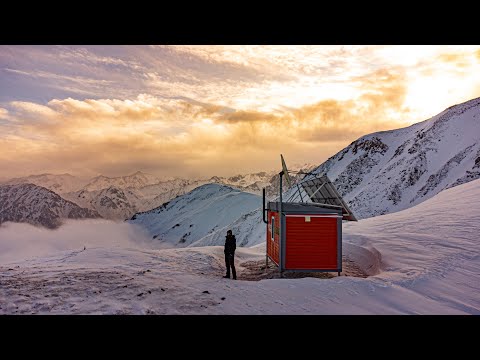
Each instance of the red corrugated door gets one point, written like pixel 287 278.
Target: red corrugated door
pixel 311 244
pixel 273 244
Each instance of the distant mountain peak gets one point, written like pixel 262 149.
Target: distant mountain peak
pixel 38 206
pixel 140 173
pixel 58 183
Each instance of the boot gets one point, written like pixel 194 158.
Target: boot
pixel 227 276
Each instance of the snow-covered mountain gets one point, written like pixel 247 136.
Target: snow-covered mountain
pixel 393 170
pixel 118 198
pixel 59 184
pixel 120 203
pixel 38 206
pixel 111 203
pixel 136 181
pixel 381 172
pixel 190 217
pixel 127 199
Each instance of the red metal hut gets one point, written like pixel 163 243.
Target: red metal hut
pixel 306 236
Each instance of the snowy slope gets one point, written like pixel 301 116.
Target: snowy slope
pixel 190 217
pixel 393 170
pixel 59 184
pixel 38 206
pixel 423 260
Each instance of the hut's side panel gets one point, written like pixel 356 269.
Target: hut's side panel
pixel 273 242
pixel 311 242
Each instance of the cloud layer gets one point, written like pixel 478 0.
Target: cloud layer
pixel 205 110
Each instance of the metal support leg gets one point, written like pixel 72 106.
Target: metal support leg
pixel 339 273
pixel 266 262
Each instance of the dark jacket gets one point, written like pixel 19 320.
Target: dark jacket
pixel 230 244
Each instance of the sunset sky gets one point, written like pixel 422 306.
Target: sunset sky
pixel 213 110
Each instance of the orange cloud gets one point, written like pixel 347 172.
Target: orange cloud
pixel 458 60
pixel 182 137
pixel 247 116
pixel 3 113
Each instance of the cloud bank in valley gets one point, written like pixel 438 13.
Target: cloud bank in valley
pixel 19 241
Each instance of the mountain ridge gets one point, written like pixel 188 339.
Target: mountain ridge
pixel 38 206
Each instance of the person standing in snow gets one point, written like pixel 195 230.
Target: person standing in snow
pixel 229 250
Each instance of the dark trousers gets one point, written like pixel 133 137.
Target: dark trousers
pixel 229 262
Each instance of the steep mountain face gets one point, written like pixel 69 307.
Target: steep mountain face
pixel 38 206
pixel 188 218
pixel 393 170
pixel 59 184
pixel 136 181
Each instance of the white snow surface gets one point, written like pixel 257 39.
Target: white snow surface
pixel 423 260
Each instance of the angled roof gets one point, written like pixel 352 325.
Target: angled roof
pixel 320 190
